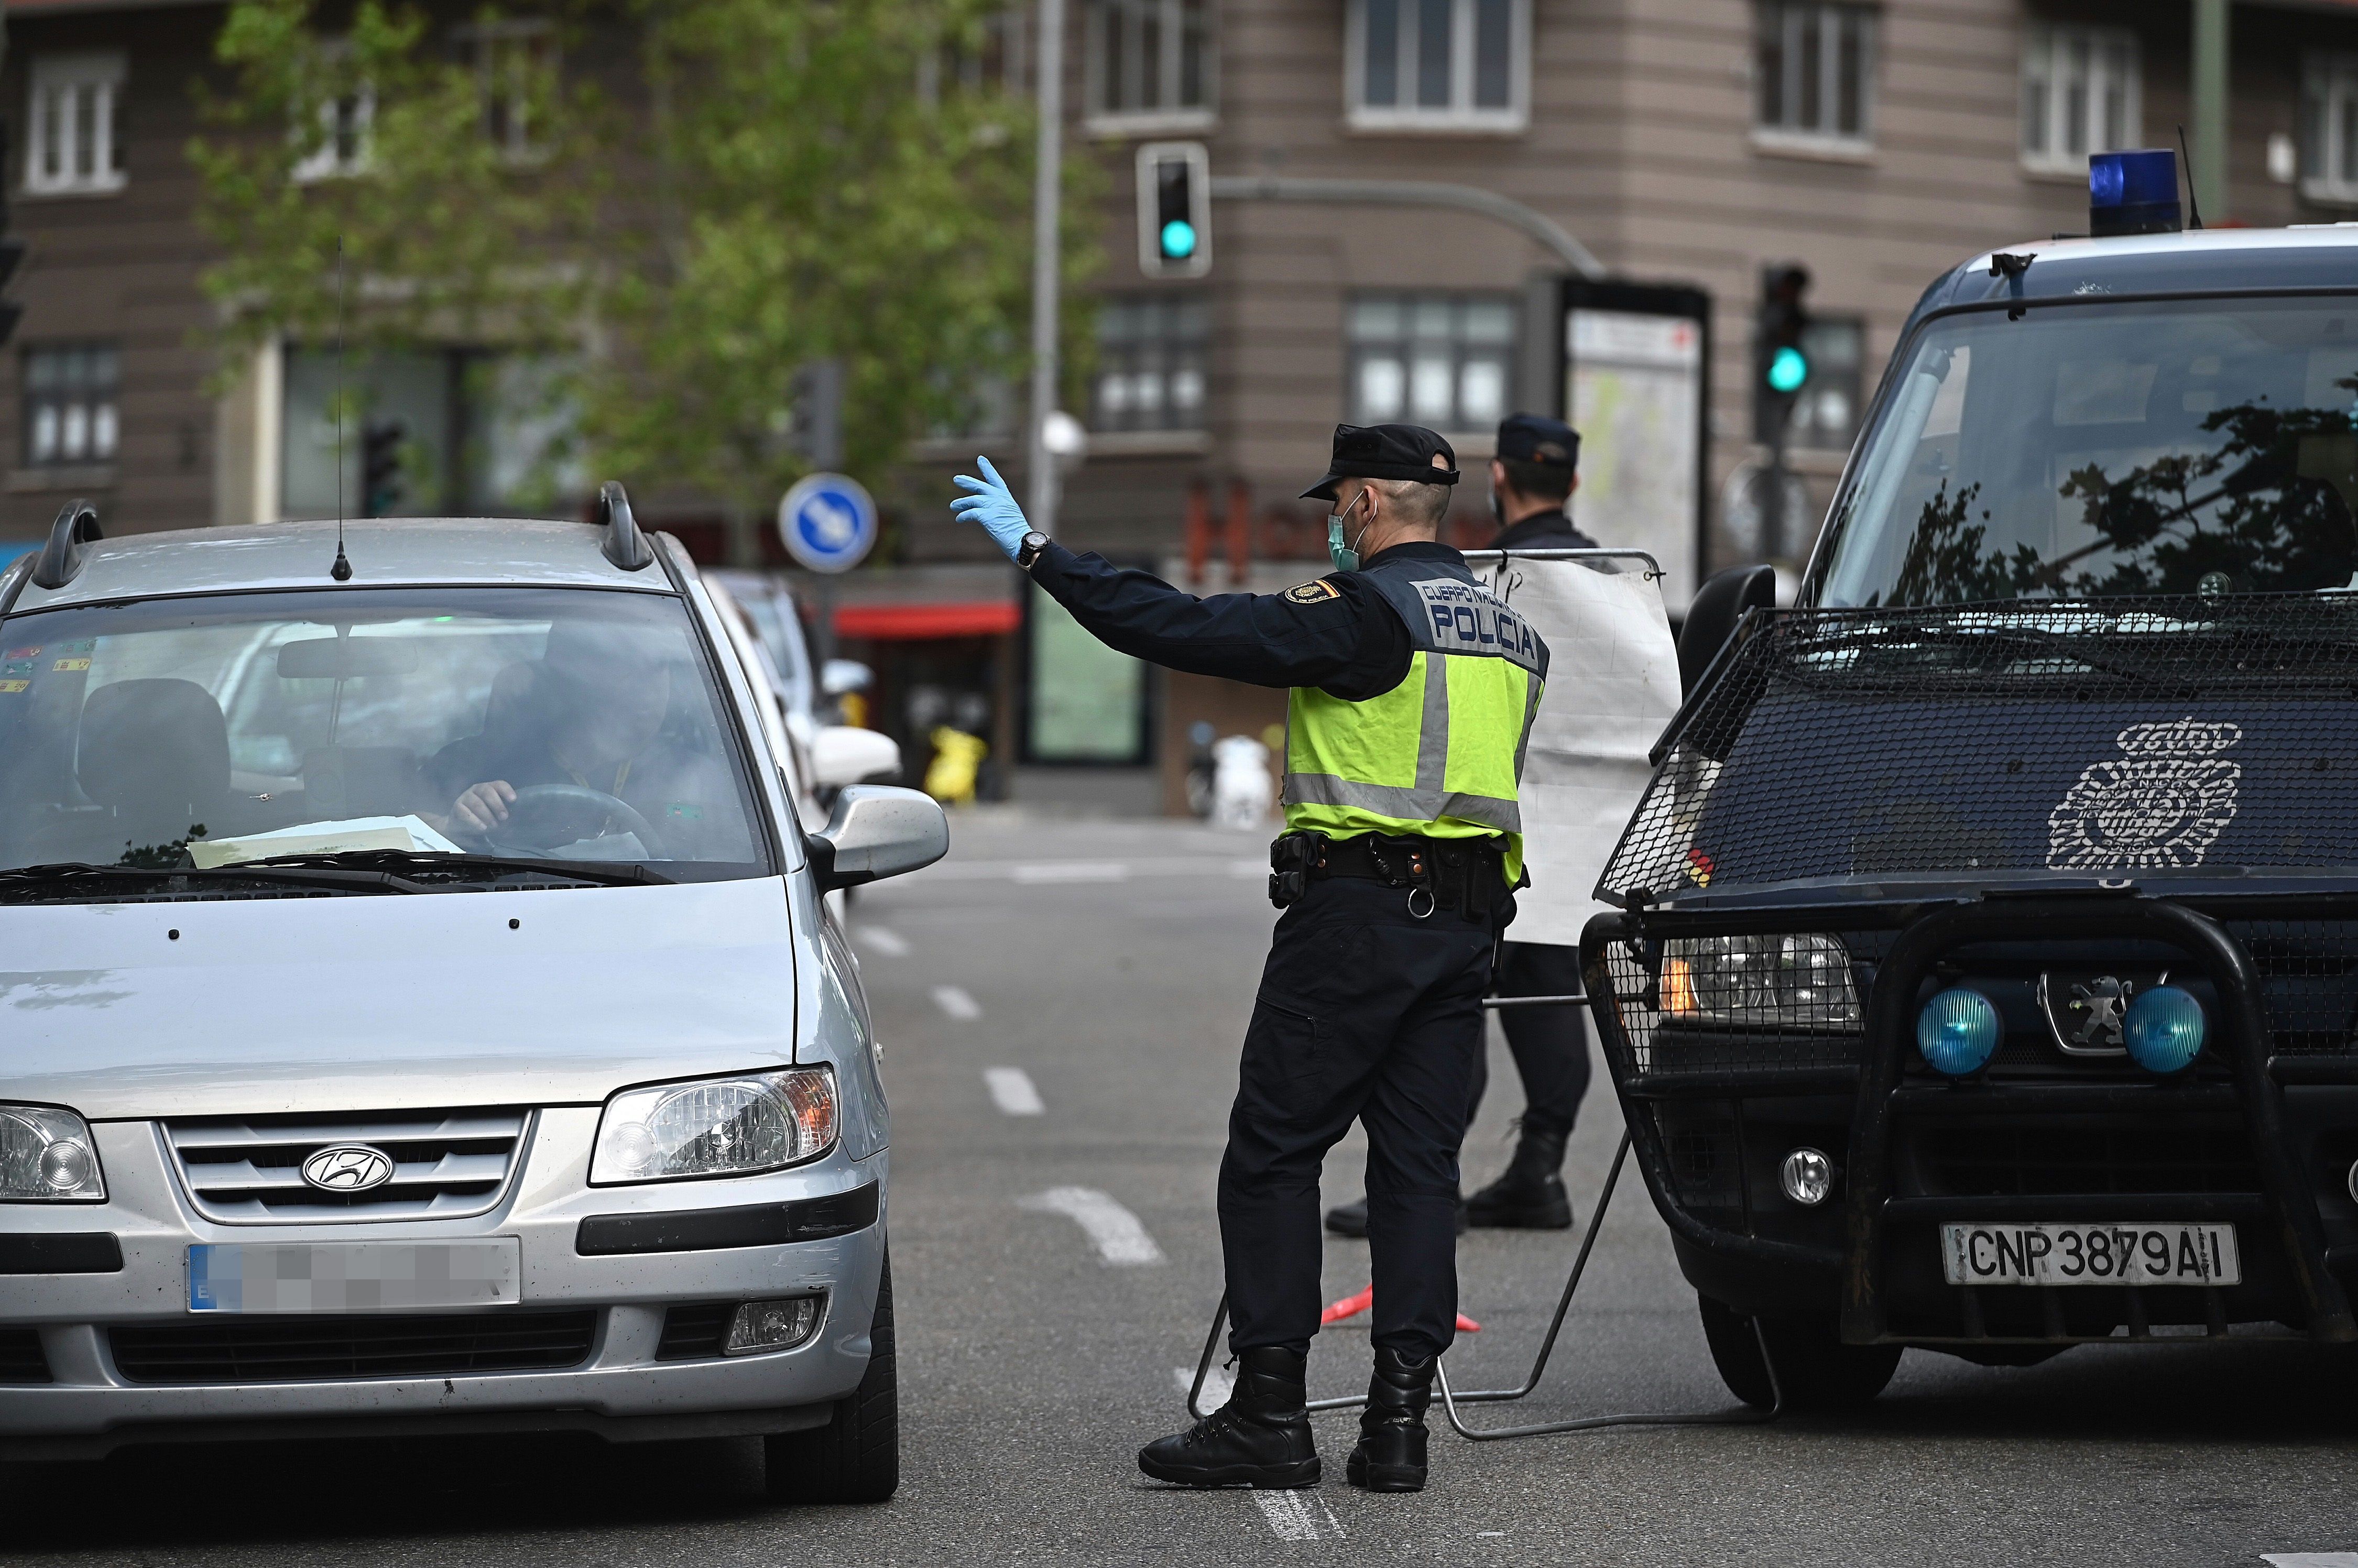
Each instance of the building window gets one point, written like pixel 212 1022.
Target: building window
pixel 516 63
pixel 1815 72
pixel 341 142
pixel 2328 151
pixel 2078 95
pixel 70 404
pixel 1438 359
pixel 992 58
pixel 1150 351
pixel 1825 415
pixel 1151 64
pixel 1438 65
pixel 74 124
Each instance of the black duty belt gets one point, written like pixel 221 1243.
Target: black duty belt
pixel 1464 875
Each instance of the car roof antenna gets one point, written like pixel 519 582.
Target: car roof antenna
pixel 343 571
pixel 2193 208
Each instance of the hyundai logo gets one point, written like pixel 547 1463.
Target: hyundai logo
pixel 348 1168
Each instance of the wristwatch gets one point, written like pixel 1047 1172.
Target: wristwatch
pixel 1029 550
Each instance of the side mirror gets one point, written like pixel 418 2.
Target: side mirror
pixel 839 677
pixel 845 755
pixel 1718 605
pixel 878 830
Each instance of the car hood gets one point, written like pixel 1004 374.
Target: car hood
pixel 250 1006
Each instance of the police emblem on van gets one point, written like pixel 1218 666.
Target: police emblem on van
pixel 2160 808
pixel 348 1168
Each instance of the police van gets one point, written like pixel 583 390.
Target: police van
pixel 1984 977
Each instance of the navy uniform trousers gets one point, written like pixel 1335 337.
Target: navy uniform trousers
pixel 1363 1012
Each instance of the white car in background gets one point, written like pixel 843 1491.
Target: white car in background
pixel 825 756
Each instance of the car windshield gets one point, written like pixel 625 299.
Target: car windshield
pixel 534 723
pixel 2203 446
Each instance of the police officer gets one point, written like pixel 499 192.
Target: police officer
pixel 1531 481
pixel 1411 693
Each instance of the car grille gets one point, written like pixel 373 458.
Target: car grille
pixel 292 1349
pixel 21 1360
pixel 447 1164
pixel 1984 1158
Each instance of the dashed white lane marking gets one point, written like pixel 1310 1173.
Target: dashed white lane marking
pixel 1218 1385
pixel 1292 1517
pixel 1011 1090
pixel 2311 1559
pixel 889 943
pixel 1074 872
pixel 953 1000
pixel 1112 1229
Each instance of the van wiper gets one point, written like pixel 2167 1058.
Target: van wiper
pixel 553 873
pixel 70 872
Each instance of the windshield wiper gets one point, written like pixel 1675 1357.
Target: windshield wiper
pixel 383 862
pixel 287 876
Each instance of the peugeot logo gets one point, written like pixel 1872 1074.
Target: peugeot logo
pixel 349 1168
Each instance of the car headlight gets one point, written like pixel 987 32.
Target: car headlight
pixel 47 1155
pixel 716 1127
pixel 1786 981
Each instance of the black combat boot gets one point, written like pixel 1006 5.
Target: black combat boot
pixel 1530 1195
pixel 1259 1438
pixel 1351 1218
pixel 1390 1454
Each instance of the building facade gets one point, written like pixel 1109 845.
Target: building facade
pixel 1684 143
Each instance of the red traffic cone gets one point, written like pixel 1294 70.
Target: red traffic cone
pixel 1352 1306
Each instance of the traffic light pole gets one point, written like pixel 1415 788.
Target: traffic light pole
pixel 1047 254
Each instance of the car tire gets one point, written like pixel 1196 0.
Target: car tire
pixel 1818 1371
pixel 856 1457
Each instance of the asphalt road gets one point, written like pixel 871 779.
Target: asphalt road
pixel 1055 1269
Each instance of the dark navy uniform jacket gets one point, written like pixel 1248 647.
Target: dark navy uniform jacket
pixel 1333 633
pixel 1549 530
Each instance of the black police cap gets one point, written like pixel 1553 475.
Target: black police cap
pixel 1386 451
pixel 1534 438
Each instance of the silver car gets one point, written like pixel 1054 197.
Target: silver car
pixel 420 1012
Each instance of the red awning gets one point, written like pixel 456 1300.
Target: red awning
pixel 918 623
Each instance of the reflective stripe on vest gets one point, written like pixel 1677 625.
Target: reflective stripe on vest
pixel 1440 755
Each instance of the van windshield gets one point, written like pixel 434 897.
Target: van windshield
pixel 2203 446
pixel 534 723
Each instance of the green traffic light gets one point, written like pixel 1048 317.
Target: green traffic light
pixel 1178 239
pixel 1787 369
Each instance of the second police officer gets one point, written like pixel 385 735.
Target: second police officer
pixel 1531 480
pixel 1412 694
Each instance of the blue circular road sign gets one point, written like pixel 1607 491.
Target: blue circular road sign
pixel 828 521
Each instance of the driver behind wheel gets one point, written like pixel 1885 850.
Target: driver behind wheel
pixel 591 715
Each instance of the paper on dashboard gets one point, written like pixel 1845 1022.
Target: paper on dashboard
pixel 409 833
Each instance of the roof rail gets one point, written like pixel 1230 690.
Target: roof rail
pixel 62 557
pixel 625 545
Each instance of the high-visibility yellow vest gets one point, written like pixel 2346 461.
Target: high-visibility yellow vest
pixel 1440 754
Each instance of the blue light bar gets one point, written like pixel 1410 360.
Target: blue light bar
pixel 2133 192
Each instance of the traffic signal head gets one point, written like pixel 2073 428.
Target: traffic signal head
pixel 1174 209
pixel 1780 353
pixel 380 483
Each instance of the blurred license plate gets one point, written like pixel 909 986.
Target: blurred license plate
pixel 2138 1253
pixel 354 1276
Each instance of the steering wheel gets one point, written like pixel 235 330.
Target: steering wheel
pixel 543 817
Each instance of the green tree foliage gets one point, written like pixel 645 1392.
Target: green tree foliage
pixel 715 191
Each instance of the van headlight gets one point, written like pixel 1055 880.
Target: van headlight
pixel 46 1154
pixel 1786 981
pixel 716 1127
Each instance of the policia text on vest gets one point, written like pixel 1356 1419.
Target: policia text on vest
pixel 1412 694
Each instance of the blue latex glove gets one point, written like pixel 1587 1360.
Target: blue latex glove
pixel 992 505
